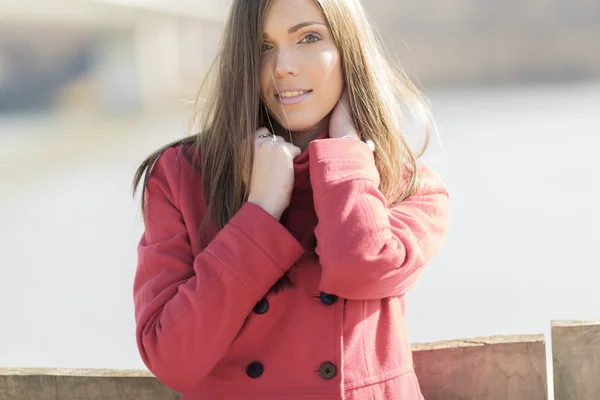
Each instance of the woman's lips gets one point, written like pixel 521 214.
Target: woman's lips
pixel 292 96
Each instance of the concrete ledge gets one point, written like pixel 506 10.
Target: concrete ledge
pixel 73 384
pixel 576 359
pixel 491 368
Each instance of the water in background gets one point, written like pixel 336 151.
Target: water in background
pixel 523 247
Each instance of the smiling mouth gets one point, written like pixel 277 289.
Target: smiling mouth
pixel 291 94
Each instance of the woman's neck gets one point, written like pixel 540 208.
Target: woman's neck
pixel 302 139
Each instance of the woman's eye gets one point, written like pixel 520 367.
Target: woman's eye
pixel 266 47
pixel 310 38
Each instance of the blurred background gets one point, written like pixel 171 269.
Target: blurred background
pixel 89 88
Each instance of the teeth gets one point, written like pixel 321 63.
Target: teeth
pixel 291 94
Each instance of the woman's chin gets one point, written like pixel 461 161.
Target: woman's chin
pixel 301 126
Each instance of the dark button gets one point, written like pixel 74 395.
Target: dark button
pixel 262 306
pixel 328 299
pixel 254 369
pixel 327 371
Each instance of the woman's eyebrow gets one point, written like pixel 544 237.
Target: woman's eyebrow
pixel 299 26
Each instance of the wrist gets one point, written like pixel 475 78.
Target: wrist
pixel 267 208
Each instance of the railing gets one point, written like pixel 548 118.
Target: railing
pixel 492 368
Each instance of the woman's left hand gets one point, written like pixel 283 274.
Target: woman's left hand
pixel 340 122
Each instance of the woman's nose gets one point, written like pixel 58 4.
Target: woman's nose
pixel 285 64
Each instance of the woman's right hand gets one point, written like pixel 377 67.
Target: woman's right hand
pixel 272 179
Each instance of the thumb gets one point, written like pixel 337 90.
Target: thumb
pixel 295 151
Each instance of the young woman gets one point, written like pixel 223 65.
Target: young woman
pixel 280 241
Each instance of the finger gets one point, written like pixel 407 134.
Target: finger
pixel 262 131
pixel 275 140
pixel 263 134
pixel 295 151
pixel 287 150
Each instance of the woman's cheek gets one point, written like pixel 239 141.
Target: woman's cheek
pixel 329 61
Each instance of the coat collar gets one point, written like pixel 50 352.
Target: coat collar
pixel 301 166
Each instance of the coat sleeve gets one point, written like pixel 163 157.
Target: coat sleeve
pixel 367 250
pixel 189 308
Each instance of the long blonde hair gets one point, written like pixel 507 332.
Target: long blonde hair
pixel 233 109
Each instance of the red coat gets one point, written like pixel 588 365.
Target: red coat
pixel 205 323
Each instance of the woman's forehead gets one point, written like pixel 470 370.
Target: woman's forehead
pixel 292 12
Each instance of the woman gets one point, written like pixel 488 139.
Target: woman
pixel 280 241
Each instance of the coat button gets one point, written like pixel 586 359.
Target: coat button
pixel 262 306
pixel 327 370
pixel 328 299
pixel 254 370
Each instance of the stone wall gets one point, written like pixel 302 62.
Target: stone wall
pixel 56 384
pixel 576 360
pixel 492 368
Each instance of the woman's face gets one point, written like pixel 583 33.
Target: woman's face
pixel 301 74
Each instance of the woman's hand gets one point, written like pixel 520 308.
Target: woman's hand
pixel 272 178
pixel 340 122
